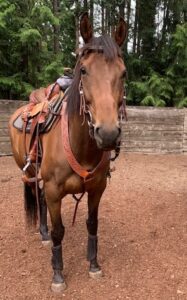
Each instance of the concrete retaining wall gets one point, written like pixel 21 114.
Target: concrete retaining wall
pixel 155 130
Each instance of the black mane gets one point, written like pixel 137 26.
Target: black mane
pixel 110 50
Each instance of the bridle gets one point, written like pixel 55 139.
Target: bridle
pixel 87 115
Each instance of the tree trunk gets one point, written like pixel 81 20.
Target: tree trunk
pixel 138 27
pixel 107 29
pixel 77 23
pixel 128 21
pixel 135 28
pixel 128 12
pixel 102 17
pixel 122 9
pixel 92 12
pixel 56 28
pixel 85 5
pixel 165 24
pixel 147 27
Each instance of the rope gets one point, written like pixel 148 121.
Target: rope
pixel 78 199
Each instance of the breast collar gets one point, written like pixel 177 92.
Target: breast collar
pixel 74 164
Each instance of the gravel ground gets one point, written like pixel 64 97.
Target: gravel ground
pixel 142 236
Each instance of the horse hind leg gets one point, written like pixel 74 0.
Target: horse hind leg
pixel 43 218
pixel 57 234
pixel 31 209
pixel 30 203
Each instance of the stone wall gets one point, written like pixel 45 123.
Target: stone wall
pixel 148 130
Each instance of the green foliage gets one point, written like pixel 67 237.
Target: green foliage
pixel 156 91
pixel 182 103
pixel 27 56
pixel 52 71
pixel 137 91
pixel 6 11
pixel 8 82
pixel 152 101
pixel 168 88
pixel 137 67
pixel 44 15
pixel 156 59
pixel 29 36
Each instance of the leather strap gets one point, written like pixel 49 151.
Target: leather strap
pixel 77 168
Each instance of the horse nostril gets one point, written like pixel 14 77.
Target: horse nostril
pixel 119 131
pixel 97 130
pixel 98 134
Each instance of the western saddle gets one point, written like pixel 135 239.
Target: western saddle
pixel 38 117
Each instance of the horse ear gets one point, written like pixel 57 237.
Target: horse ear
pixel 121 32
pixel 86 28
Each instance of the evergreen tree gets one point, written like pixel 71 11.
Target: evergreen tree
pixel 37 39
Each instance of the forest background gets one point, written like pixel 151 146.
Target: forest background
pixel 38 39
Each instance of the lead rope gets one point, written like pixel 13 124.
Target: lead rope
pixel 77 199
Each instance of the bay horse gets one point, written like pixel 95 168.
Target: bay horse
pixel 76 151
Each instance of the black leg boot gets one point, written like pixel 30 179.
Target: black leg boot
pixel 58 283
pixel 95 270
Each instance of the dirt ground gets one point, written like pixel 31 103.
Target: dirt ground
pixel 142 236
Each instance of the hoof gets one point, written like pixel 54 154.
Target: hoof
pixel 58 287
pixel 96 275
pixel 46 242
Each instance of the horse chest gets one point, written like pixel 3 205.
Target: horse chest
pixel 73 185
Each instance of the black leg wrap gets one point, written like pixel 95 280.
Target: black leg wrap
pixel 92 253
pixel 92 247
pixel 57 262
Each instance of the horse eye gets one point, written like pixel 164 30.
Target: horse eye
pixel 83 71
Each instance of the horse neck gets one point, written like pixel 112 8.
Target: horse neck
pixel 83 146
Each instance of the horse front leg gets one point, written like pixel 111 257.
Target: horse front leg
pixel 92 226
pixel 57 233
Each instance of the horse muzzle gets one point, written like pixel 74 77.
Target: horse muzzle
pixel 107 139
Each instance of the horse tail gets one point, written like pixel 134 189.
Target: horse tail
pixel 31 205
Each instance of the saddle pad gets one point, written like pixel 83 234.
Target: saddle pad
pixel 54 106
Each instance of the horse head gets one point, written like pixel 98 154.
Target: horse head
pixel 99 81
pixel 102 74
